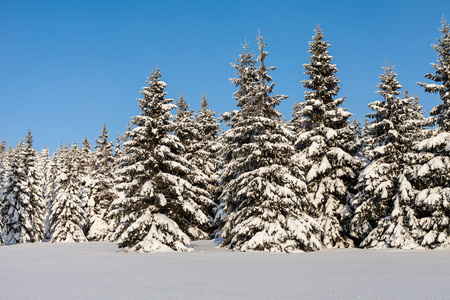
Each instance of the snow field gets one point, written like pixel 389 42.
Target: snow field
pixel 99 270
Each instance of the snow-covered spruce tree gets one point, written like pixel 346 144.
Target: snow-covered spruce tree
pixel 86 161
pixel 207 147
pixel 43 169
pixel 264 194
pixel 67 216
pixel 191 137
pixel 85 165
pixel 115 212
pixel 246 78
pixel 102 186
pixel 3 166
pixel 433 173
pixel 327 146
pixel 51 192
pixel 118 146
pixel 33 182
pixel 185 128
pixel 19 210
pixel 385 212
pixel 160 207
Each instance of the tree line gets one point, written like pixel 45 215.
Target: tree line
pixel 319 180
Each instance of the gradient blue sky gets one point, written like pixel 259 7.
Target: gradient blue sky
pixel 68 66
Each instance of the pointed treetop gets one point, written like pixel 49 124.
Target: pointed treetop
pixel 204 103
pixel 29 139
pixel 389 86
pixel 182 104
pixel 86 144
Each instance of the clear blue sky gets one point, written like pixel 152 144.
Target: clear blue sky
pixel 68 66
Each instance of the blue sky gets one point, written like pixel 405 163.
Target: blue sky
pixel 68 66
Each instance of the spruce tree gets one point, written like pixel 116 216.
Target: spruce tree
pixel 385 213
pixel 160 207
pixel 3 166
pixel 327 145
pixel 53 169
pixel 246 78
pixel 207 146
pixel 33 182
pixel 21 209
pixel 432 176
pixel 185 129
pixel 2 184
pixel 43 169
pixel 263 192
pixel 190 134
pixel 102 186
pixel 68 217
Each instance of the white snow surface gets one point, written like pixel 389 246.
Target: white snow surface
pixel 100 270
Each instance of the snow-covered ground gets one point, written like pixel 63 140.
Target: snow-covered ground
pixel 99 270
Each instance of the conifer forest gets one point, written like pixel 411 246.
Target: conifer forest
pixel 262 181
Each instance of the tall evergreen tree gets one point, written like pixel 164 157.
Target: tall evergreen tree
pixel 433 172
pixel 327 144
pixel 102 186
pixel 160 206
pixel 246 78
pixel 263 193
pixel 385 214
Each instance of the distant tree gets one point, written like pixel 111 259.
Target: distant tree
pixel 432 176
pixel 3 167
pixel 385 213
pixel 67 216
pixel 328 146
pixel 53 169
pixel 43 163
pixel 33 183
pixel 160 207
pixel 206 150
pixel 102 186
pixel 190 134
pixel 21 208
pixel 264 194
pixel 121 160
pixel 185 128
